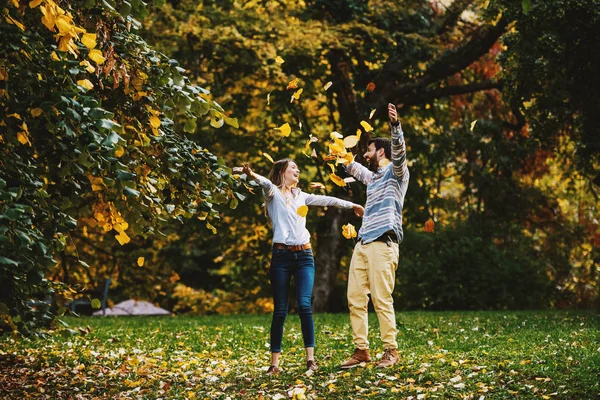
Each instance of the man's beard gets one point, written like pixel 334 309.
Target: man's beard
pixel 373 164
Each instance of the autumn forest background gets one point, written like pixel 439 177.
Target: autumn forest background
pixel 120 123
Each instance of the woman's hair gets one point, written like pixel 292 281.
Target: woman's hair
pixel 278 171
pixel 277 177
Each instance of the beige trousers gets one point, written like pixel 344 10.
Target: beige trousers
pixel 373 270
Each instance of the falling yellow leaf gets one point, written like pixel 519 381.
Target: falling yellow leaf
pixel 372 113
pixel 293 84
pixel 296 95
pixel 336 135
pixel 122 238
pixel 268 157
pixel 337 180
pixel 347 159
pixel 384 162
pixel 23 138
pixel 349 231
pixel 36 112
pixel 302 211
pixel 332 167
pixel 140 261
pixel 285 129
pixel 15 115
pixel 350 141
pixel 35 3
pixel 473 125
pixel 211 228
pixel 358 133
pixel 328 85
pixel 279 60
pixel 154 121
pixel 96 56
pixel 366 126
pixel 86 84
pixel 89 40
pixel 269 98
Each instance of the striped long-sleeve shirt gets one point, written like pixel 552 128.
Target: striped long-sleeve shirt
pixel 386 189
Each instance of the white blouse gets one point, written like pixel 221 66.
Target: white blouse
pixel 288 227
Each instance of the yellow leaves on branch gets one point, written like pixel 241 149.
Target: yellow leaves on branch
pixel 107 217
pixel 349 231
pixel 14 22
pixel 96 56
pixel 89 40
pixel 302 211
pixel 85 83
pixel 88 67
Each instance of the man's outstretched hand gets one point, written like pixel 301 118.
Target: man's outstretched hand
pixel 392 113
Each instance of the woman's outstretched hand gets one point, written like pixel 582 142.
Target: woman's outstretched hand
pixel 358 210
pixel 245 168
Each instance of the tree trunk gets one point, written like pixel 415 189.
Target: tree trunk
pixel 327 260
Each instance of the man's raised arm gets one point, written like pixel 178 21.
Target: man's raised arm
pixel 399 165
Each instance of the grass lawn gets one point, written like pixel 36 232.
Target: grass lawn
pixel 491 355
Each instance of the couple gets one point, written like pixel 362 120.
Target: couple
pixel 375 256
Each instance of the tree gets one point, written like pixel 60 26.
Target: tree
pixel 91 142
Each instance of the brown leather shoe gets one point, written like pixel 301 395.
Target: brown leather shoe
pixel 359 356
pixel 390 358
pixel 273 370
pixel 311 365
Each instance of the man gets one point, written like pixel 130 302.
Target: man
pixel 375 256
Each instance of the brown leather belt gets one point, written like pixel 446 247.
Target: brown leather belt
pixel 297 247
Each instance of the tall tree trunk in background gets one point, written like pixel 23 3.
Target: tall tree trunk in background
pixel 330 242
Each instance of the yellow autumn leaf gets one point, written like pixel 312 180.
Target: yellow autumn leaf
pixel 3 74
pixel 372 113
pixel 384 162
pixel 88 67
pixel 268 157
pixel 337 180
pixel 293 84
pixel 336 135
pixel 358 133
pixel 35 3
pixel 54 56
pixel 63 24
pixel 13 21
pixel 23 138
pixel 140 261
pixel 347 159
pixel 366 126
pixel 216 121
pixel 211 228
pixel 473 125
pixel 327 85
pixel 285 129
pixel 14 115
pixel 302 211
pixel 279 60
pixel 119 151
pixel 154 121
pixel 122 238
pixel 86 84
pixel 269 98
pixel 89 40
pixel 296 95
pixel 349 231
pixel 96 56
pixel 350 141
pixel 36 112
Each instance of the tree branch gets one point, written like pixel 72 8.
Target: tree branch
pixel 452 15
pixel 427 95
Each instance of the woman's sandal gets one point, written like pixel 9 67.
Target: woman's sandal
pixel 273 370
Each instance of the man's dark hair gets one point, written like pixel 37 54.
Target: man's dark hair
pixel 383 143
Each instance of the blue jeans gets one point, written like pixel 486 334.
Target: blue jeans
pixel 284 264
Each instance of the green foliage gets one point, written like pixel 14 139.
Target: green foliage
pixel 91 138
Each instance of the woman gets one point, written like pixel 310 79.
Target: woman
pixel 292 254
